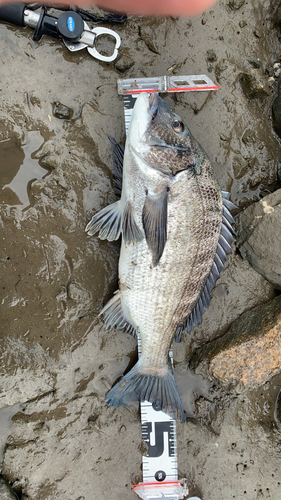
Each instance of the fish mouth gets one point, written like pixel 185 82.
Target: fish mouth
pixel 153 103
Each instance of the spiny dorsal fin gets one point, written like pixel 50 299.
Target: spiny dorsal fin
pixel 114 316
pixel 224 247
pixel 154 219
pixel 117 165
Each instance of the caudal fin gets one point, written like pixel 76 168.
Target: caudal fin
pixel 161 391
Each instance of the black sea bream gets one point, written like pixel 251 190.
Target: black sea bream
pixel 176 232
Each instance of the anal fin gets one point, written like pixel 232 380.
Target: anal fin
pixel 114 316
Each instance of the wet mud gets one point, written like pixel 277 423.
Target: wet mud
pixel 59 439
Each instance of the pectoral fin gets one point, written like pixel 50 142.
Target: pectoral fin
pixel 117 165
pixel 154 219
pixel 111 220
pixel 108 222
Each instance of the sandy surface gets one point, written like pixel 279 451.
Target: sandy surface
pixel 57 361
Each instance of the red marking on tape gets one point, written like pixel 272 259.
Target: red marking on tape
pixel 173 89
pixel 157 485
pixel 139 91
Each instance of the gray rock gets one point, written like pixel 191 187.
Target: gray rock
pixel 255 62
pixel 259 237
pixel 51 161
pixel 211 56
pixel 276 115
pixel 61 111
pixel 277 16
pixel 254 84
pixel 242 23
pixel 235 4
pixel 6 492
pixel 124 63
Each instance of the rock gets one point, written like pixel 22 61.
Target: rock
pixel 62 111
pixel 276 115
pixel 276 70
pixel 255 62
pixel 259 236
pixel 248 137
pixel 6 492
pixel 277 17
pixel 235 4
pixel 153 33
pixel 211 56
pixel 257 33
pixel 249 353
pixel 124 63
pixel 253 84
pixel 242 24
pixel 51 161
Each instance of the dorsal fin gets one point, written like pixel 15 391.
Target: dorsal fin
pixel 223 248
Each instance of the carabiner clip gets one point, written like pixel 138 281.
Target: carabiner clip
pixel 104 31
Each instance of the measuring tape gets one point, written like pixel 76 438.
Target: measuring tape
pixel 160 465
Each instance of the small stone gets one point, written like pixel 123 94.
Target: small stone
pixel 211 56
pixel 255 62
pixel 249 353
pixel 235 4
pixel 276 115
pixel 51 161
pixel 248 137
pixel 257 33
pixel 259 237
pixel 147 34
pixel 276 70
pixel 254 85
pixel 273 84
pixel 242 24
pixel 61 111
pixel 277 17
pixel 204 20
pixel 124 63
pixel 6 492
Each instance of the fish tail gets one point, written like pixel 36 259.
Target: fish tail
pixel 159 390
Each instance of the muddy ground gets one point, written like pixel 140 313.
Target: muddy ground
pixel 59 439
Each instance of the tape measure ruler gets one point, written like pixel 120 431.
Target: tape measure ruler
pixel 160 465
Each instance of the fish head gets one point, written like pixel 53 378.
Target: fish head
pixel 160 137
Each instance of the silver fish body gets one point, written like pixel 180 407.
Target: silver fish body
pixel 174 243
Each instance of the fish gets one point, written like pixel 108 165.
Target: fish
pixel 176 228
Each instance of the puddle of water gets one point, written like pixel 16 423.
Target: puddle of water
pixel 6 415
pixel 19 168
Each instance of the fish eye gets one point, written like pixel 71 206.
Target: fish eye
pixel 178 126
